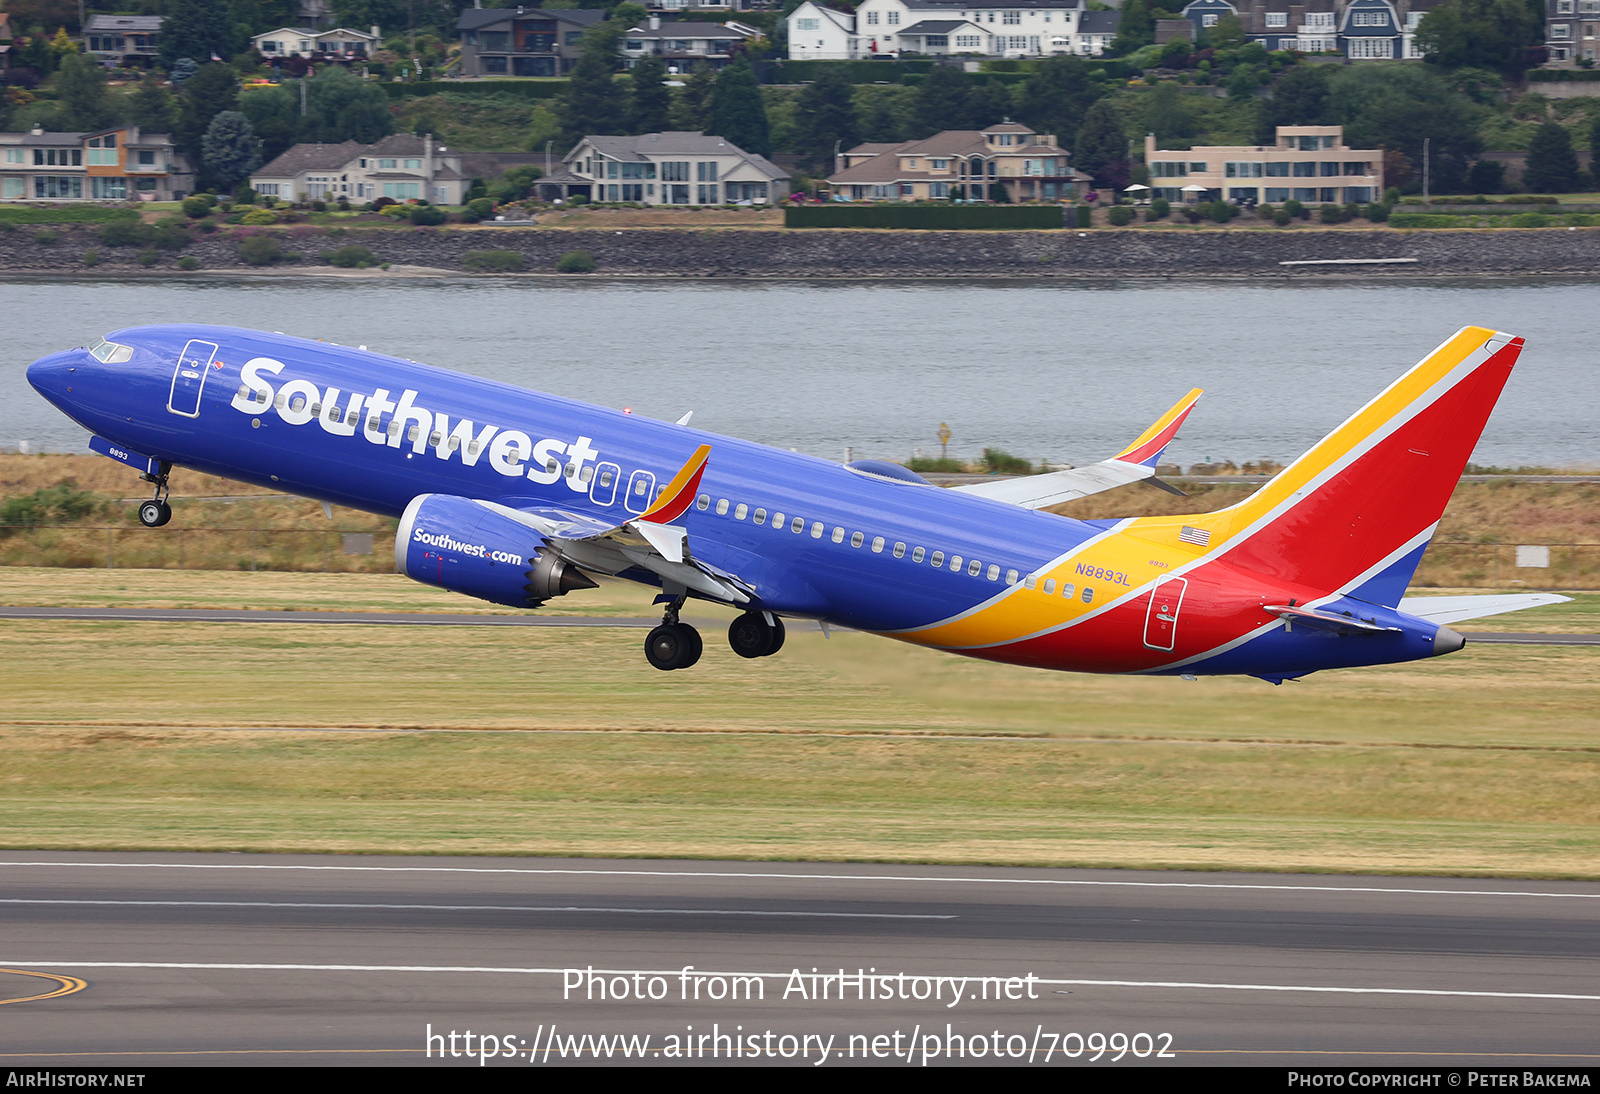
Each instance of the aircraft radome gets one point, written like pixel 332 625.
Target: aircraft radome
pixel 517 497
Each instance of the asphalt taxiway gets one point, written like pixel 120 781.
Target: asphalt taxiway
pixel 151 958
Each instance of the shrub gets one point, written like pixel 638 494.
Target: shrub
pixel 125 233
pixel 1000 462
pixel 188 262
pixel 1222 211
pixel 497 261
pixel 1083 216
pixel 1193 214
pixel 243 195
pixel 350 257
pixel 1376 212
pixel 1295 209
pixel 1282 218
pixel 260 251
pixel 1529 220
pixel 149 256
pixel 477 209
pixel 1120 215
pixel 1161 207
pixel 196 207
pixel 578 199
pixel 169 234
pixel 1330 214
pixel 379 204
pixel 61 502
pixel 258 217
pixel 936 463
pixel 319 207
pixel 1351 210
pixel 1391 196
pixel 91 258
pixel 576 262
pixel 46 235
pixel 427 215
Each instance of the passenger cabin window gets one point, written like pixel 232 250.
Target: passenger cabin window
pixel 760 516
pixel 857 539
pixel 917 555
pixel 838 535
pixel 877 545
pixel 816 530
pixel 722 507
pixel 740 511
pixel 899 550
pixel 955 564
pixel 798 526
pixel 937 560
pixel 1049 586
pixel 703 502
pixel 777 521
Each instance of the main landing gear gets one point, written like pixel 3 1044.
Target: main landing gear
pixel 673 645
pixel 156 512
pixel 756 634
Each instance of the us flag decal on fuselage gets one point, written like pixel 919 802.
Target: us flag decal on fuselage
pixel 1197 536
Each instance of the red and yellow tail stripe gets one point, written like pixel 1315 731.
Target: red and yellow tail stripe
pixel 676 497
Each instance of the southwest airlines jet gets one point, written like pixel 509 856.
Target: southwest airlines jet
pixel 516 497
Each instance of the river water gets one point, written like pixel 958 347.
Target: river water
pixel 1045 369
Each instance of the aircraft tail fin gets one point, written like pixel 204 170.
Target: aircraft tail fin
pixel 1356 512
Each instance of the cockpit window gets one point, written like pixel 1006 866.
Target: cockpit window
pixel 111 353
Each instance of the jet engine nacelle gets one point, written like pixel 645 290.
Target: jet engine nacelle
pixel 468 547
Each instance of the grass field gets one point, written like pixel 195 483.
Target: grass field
pixel 458 740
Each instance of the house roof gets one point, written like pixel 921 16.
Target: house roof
pixel 403 144
pixel 688 30
pixel 966 5
pixel 310 157
pixel 147 24
pixel 1099 22
pixel 1007 127
pixel 52 139
pixel 477 18
pixel 936 26
pixel 884 166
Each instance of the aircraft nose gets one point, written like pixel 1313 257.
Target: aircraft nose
pixel 54 376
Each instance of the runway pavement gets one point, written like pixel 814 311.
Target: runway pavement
pixel 144 959
pixel 434 619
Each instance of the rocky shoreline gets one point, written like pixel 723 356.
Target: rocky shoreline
pixel 850 253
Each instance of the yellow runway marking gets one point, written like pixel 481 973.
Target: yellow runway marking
pixel 69 984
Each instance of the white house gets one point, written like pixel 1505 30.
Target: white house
pixel 1018 28
pixel 667 169
pixel 400 167
pixel 299 42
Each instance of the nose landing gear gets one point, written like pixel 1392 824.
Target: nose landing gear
pixel 673 645
pixel 156 512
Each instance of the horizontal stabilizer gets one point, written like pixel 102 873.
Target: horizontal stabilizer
pixel 1455 609
pixel 1135 463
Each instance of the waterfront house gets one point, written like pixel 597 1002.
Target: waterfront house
pixel 1310 164
pixel 120 163
pixel 972 165
pixel 666 169
pixel 942 28
pixel 124 40
pixel 401 167
pixel 523 41
pixel 343 42
pixel 682 45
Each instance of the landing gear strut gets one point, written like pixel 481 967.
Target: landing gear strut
pixel 673 645
pixel 756 634
pixel 156 512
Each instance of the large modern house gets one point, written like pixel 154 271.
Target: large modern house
pixel 666 169
pixel 1362 30
pixel 401 167
pixel 1005 162
pixel 116 164
pixel 523 41
pixel 1310 164
pixel 941 28
pixel 682 45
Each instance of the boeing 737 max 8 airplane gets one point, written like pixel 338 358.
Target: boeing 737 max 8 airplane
pixel 516 497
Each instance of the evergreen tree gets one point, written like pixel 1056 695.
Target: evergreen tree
pixel 1300 97
pixel 941 101
pixel 988 104
pixel 881 122
pixel 1497 34
pixel 274 114
pixel 691 110
pixel 341 106
pixel 211 90
pixel 150 107
pixel 826 114
pixel 1594 148
pixel 594 102
pixel 1167 114
pixel 1102 147
pixel 1056 96
pixel 80 87
pixel 229 149
pixel 195 29
pixel 650 100
pixel 738 114
pixel 1137 28
pixel 1552 166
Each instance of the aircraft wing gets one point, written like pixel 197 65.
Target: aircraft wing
pixel 1455 609
pixel 649 541
pixel 1134 463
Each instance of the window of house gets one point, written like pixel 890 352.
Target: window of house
pixel 1277 19
pixel 16 155
pixel 872 18
pixel 1563 7
pixel 1235 169
pixel 13 188
pixel 936 40
pixel 808 24
pixel 1369 19
pixel 1011 18
pixel 414 164
pixel 969 41
pixel 1305 170
pixel 1197 168
pixel 1319 19
pixel 893 18
pixel 57 186
pixel 1209 20
pixel 1276 193
pixel 1277 171
pixel 1163 169
pixel 1371 48
pixel 110 189
pixel 675 171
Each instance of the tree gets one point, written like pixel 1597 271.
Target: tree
pixel 196 29
pixel 1299 97
pixel 151 108
pixel 1401 106
pixel 826 114
pixel 650 100
pixel 1552 166
pixel 1167 114
pixel 691 110
pixel 988 104
pixel 1056 96
pixel 274 114
pixel 41 13
pixel 941 99
pixel 880 121
pixel 211 90
pixel 1102 147
pixel 1228 33
pixel 229 149
pixel 80 87
pixel 1137 28
pixel 1497 34
pixel 340 106
pixel 594 102
pixel 737 113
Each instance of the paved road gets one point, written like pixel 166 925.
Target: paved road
pixel 430 619
pixel 293 959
